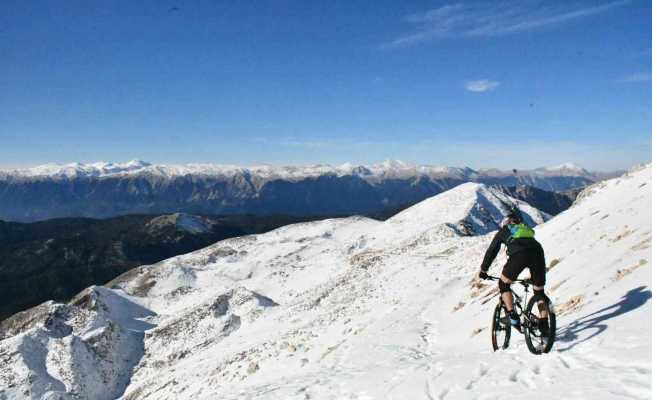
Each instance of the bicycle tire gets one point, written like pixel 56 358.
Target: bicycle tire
pixel 536 343
pixel 500 334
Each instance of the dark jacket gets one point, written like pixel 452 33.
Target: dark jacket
pixel 504 236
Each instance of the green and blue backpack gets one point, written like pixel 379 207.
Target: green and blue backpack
pixel 521 231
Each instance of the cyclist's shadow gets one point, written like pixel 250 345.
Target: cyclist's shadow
pixel 633 299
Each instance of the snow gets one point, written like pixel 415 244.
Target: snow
pixel 386 169
pixel 359 309
pixel 567 166
pixel 566 169
pixel 80 169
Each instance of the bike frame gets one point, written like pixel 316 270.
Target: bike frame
pixel 518 300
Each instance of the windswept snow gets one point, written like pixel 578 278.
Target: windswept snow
pixel 358 309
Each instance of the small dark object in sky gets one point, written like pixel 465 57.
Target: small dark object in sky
pixel 515 171
pixel 173 9
pixel 531 104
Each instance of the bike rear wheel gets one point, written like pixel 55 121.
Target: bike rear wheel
pixel 537 341
pixel 500 333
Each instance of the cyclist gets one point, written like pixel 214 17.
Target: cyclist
pixel 523 251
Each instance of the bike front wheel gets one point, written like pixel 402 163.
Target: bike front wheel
pixel 500 332
pixel 540 325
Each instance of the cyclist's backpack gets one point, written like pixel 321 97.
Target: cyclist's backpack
pixel 521 231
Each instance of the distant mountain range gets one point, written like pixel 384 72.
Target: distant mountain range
pixel 102 190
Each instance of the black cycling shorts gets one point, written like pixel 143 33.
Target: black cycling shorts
pixel 532 258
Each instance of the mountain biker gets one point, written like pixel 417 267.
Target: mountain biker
pixel 523 251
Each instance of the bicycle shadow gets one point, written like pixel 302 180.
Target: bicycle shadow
pixel 632 300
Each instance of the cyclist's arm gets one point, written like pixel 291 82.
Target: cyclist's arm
pixel 492 251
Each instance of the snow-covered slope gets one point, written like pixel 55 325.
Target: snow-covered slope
pixel 357 309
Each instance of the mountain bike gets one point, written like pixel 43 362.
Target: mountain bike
pixel 501 328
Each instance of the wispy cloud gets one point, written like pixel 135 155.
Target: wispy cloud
pixel 642 77
pixel 481 85
pixel 491 19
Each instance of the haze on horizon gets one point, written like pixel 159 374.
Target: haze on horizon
pixel 514 84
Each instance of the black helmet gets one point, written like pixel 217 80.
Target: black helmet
pixel 515 215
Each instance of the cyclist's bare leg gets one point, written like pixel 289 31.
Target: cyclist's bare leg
pixel 507 297
pixel 543 310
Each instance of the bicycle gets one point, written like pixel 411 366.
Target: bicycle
pixel 536 342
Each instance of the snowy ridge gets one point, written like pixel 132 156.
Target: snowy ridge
pixel 386 169
pixel 72 170
pixel 358 309
pixel 467 210
pixel 476 208
pixel 567 166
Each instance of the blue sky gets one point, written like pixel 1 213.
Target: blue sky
pixel 510 84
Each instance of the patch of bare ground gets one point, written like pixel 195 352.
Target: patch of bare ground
pixel 25 320
pixel 643 245
pixel 554 263
pixel 477 286
pixel 366 259
pixel 458 306
pixel 621 273
pixel 573 304
pixel 477 331
pixel 623 235
pixel 128 276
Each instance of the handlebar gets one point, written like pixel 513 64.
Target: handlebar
pixel 524 282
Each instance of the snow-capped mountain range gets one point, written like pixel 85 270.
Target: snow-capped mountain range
pixel 355 308
pixel 389 168
pixel 106 189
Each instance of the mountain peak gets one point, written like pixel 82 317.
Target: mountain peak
pixel 396 164
pixel 136 163
pixel 566 166
pixel 470 208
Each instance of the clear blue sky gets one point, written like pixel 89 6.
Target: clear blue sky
pixel 506 84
